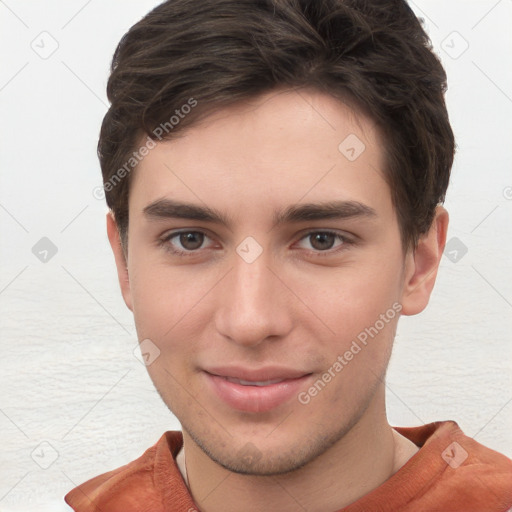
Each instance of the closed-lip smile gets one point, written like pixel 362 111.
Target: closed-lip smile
pixel 255 390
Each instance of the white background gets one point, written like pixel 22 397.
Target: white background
pixel 68 376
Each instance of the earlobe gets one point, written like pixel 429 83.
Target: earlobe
pixel 120 259
pixel 421 265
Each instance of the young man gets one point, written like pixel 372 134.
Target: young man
pixel 275 172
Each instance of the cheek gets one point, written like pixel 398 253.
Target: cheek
pixel 359 310
pixel 348 300
pixel 355 367
pixel 165 298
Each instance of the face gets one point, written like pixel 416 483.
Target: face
pixel 265 265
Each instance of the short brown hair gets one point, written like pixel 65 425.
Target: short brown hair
pixel 209 54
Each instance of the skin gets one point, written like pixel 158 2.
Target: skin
pixel 300 304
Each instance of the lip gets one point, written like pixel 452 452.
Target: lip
pixel 256 374
pixel 253 398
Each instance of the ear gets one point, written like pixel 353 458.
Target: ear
pixel 421 265
pixel 122 267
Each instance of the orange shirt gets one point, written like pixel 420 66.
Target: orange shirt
pixel 450 473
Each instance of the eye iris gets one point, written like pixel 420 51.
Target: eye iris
pixel 326 240
pixel 191 240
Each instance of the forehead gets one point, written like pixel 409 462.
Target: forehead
pixel 281 148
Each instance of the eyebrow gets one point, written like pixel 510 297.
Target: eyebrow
pixel 323 211
pixel 171 209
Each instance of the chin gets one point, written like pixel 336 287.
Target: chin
pixel 264 456
pixel 251 461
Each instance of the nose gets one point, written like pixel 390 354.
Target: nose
pixel 254 305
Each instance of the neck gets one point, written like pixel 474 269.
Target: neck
pixel 369 454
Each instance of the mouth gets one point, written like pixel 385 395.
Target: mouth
pixel 254 383
pixel 255 391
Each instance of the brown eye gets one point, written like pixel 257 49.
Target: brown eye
pixel 191 240
pixel 322 241
pixel 184 243
pixel 325 243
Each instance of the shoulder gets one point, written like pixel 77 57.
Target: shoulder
pixel 477 467
pixel 128 486
pixel 466 471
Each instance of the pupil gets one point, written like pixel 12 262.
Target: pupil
pixel 326 240
pixel 187 240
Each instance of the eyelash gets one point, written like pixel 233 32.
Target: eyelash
pixel 328 252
